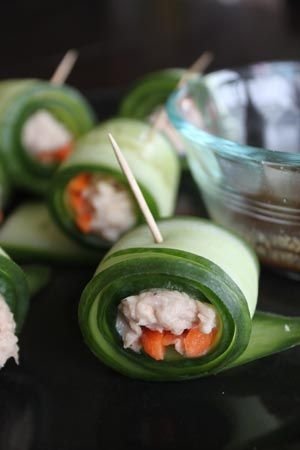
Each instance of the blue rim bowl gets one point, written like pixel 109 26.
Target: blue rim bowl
pixel 254 189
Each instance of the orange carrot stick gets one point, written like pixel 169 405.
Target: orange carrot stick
pixel 197 343
pixel 83 221
pixel 77 184
pixel 62 153
pixel 78 203
pixel 169 338
pixel 152 343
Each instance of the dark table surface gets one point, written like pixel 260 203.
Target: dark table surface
pixel 61 397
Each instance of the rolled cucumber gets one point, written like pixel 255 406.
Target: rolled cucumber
pixel 204 261
pixel 19 99
pixel 196 257
pixel 14 288
pixel 149 92
pixel 152 160
pixel 30 235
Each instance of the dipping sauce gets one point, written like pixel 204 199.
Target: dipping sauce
pixel 245 157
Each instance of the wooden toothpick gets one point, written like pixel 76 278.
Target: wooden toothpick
pixel 199 66
pixel 64 68
pixel 136 191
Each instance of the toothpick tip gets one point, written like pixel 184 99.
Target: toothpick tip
pixel 65 67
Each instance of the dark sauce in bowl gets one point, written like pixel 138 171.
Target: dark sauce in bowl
pixel 248 166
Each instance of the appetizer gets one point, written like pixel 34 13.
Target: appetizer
pixel 145 101
pixel 90 198
pixel 176 310
pixel 181 309
pixel 39 124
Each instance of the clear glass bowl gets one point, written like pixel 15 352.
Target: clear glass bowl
pixel 242 134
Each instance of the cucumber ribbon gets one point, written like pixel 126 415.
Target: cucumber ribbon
pixel 17 285
pixel 209 264
pixel 148 95
pixel 18 100
pixel 149 92
pixel 29 234
pixel 152 159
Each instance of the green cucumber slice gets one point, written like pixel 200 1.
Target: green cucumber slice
pixel 152 160
pixel 149 92
pixel 271 333
pixel 30 235
pixel 18 100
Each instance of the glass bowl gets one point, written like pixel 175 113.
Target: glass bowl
pixel 242 134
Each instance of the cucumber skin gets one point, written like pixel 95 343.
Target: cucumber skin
pixel 153 162
pixel 149 92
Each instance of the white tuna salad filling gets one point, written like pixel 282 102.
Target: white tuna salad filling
pixel 162 310
pixel 42 132
pixel 8 340
pixel 103 207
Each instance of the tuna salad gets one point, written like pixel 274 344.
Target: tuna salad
pixel 45 138
pixel 8 340
pixel 101 205
pixel 155 319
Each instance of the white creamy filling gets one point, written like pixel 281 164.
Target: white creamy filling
pixel 113 208
pixel 162 310
pixel 8 340
pixel 42 132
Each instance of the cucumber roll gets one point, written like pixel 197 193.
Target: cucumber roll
pixel 39 123
pixel 149 93
pixel 181 309
pixel 176 310
pixel 90 197
pixel 146 100
pixel 14 301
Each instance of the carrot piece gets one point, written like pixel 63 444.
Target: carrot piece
pixel 83 221
pixel 58 155
pixel 152 343
pixel 78 203
pixel 63 152
pixel 197 343
pixel 169 338
pixel 45 157
pixel 77 184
